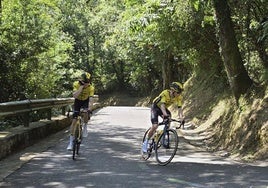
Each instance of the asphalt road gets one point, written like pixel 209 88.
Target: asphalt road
pixel 110 157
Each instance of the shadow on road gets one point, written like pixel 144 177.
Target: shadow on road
pixel 110 157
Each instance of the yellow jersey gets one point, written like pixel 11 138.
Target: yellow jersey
pixel 86 92
pixel 164 97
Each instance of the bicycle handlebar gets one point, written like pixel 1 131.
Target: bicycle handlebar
pixel 166 121
pixel 88 111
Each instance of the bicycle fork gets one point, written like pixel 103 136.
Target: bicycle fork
pixel 165 138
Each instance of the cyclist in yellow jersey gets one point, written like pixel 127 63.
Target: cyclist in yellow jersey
pixel 160 108
pixel 83 91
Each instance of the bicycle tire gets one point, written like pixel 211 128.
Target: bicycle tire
pixel 166 147
pixel 77 140
pixel 74 148
pixel 146 155
pixel 75 144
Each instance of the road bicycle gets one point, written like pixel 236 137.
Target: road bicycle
pixel 164 142
pixel 78 132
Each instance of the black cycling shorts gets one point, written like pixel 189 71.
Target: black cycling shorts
pixel 78 104
pixel 155 112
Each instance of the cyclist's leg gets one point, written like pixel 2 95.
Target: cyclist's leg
pixel 84 124
pixel 149 135
pixel 72 132
pixel 85 109
pixel 77 106
pixel 152 130
pixel 155 112
pixel 84 115
pixel 146 153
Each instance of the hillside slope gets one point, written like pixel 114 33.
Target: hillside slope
pixel 241 130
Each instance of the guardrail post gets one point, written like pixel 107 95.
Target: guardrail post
pixel 26 119
pixel 49 114
pixel 63 110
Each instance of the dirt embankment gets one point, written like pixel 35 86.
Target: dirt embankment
pixel 241 129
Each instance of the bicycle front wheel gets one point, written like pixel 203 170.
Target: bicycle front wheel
pixel 77 141
pixel 167 146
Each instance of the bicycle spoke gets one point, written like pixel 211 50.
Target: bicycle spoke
pixel 166 147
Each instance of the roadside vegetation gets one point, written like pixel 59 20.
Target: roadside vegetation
pixel 239 130
pixel 217 48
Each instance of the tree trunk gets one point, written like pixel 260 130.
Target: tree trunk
pixel 0 11
pixel 166 71
pixel 236 72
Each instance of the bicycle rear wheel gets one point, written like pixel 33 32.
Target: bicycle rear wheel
pixel 79 138
pixel 77 141
pixel 146 155
pixel 166 147
pixel 74 148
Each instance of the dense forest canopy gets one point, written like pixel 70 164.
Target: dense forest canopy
pixel 45 44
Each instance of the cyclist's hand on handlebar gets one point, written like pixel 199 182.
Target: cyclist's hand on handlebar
pixel 166 119
pixel 182 121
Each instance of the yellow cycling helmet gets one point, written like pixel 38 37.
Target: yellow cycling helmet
pixel 85 77
pixel 176 86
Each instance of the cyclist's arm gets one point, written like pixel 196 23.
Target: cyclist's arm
pixel 77 92
pixel 180 109
pixel 78 89
pixel 180 112
pixel 163 108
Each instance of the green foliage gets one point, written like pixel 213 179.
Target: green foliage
pixel 45 43
pixel 135 46
pixel 250 21
pixel 31 47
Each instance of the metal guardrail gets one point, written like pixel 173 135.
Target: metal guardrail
pixel 17 107
pixel 24 107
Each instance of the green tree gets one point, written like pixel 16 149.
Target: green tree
pixel 250 23
pixel 237 75
pixel 32 48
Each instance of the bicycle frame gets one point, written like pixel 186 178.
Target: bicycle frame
pixel 77 137
pixel 77 131
pixel 166 127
